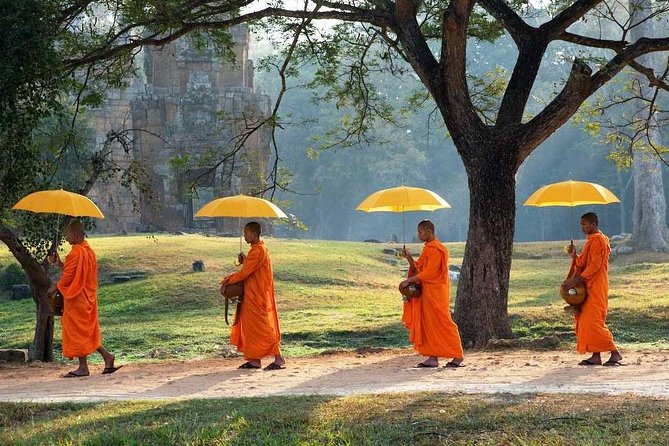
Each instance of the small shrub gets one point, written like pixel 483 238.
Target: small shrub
pixel 12 275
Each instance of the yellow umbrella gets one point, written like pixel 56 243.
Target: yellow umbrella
pixel 571 193
pixel 401 199
pixel 59 201
pixel 241 206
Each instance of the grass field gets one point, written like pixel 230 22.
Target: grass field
pixel 390 419
pixel 331 296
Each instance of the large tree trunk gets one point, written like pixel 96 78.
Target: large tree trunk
pixel 650 208
pixel 483 287
pixel 41 348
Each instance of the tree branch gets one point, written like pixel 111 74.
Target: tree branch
pixel 416 48
pixel 653 80
pixel 110 49
pixel 627 57
pixel 558 111
pixel 510 20
pixel 568 17
pixel 452 96
pixel 616 45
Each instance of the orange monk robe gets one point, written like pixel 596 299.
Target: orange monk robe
pixel 256 334
pixel 79 287
pixel 592 335
pixel 428 317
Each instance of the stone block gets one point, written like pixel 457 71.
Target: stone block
pixel 198 266
pixel 14 355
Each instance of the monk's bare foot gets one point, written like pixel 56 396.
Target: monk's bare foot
pixel 430 362
pixel 77 373
pixel 252 364
pixel 454 363
pixel 109 361
pixel 615 358
pixel 595 359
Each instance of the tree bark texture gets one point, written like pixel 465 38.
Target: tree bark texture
pixel 483 287
pixel 42 347
pixel 650 207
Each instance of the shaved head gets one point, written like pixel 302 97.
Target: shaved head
pixel 76 227
pixel 591 218
pixel 254 227
pixel 75 232
pixel 426 224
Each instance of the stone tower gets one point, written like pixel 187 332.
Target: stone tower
pixel 186 111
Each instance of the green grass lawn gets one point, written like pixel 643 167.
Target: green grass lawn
pixel 389 419
pixel 331 296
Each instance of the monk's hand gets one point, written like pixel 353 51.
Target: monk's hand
pixel 241 257
pixel 223 285
pixel 405 253
pixel 571 283
pixel 54 259
pixel 404 284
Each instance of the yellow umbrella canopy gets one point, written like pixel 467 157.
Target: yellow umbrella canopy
pixel 241 206
pixel 571 193
pixel 59 201
pixel 403 198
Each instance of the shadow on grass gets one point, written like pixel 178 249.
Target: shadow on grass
pixel 628 326
pixel 386 336
pixel 270 421
pixel 646 325
pixel 540 300
pixel 309 278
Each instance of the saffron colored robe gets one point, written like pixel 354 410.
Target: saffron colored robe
pixel 79 286
pixel 428 317
pixel 592 334
pixel 256 334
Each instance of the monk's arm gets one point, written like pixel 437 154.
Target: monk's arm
pixel 252 263
pixel 596 258
pixel 69 273
pixel 434 268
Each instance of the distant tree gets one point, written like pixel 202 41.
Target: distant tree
pixel 650 206
pixel 631 115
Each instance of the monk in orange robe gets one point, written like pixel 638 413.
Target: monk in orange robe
pixel 591 268
pixel 256 332
pixel 79 285
pixel 428 316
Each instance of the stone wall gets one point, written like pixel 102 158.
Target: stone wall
pixel 184 103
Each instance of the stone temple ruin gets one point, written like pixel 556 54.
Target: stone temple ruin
pixel 184 104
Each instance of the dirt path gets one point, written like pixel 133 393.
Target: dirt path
pixel 645 373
